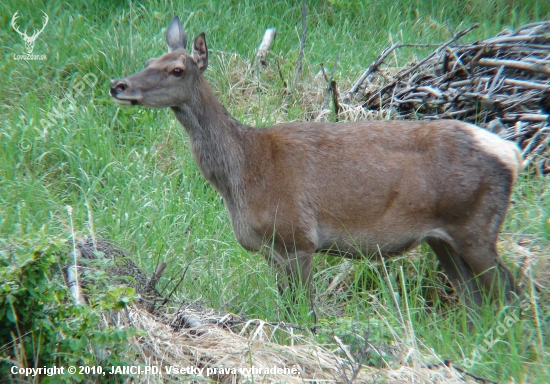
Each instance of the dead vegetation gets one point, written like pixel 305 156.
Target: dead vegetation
pixel 227 348
pixel 501 83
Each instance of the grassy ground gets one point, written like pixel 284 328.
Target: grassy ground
pixel 128 173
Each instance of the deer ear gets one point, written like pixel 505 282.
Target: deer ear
pixel 175 35
pixel 200 52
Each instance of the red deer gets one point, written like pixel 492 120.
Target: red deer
pixel 350 189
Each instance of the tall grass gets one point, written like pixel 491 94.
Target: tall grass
pixel 129 175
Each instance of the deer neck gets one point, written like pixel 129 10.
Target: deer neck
pixel 215 140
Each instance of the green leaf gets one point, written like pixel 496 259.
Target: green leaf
pixel 10 315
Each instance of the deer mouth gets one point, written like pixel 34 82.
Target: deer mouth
pixel 125 101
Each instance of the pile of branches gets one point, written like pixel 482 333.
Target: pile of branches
pixel 501 83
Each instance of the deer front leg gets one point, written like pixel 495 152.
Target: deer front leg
pixel 294 274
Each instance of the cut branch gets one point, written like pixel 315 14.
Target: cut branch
pixel 370 70
pixel 267 40
pixel 326 99
pixel 334 91
pixel 514 64
pixel 155 277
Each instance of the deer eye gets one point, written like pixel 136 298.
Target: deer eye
pixel 178 72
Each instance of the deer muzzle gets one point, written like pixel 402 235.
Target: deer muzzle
pixel 123 93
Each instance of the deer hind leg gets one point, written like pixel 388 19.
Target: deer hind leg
pixel 472 262
pixel 477 245
pixel 494 277
pixel 459 273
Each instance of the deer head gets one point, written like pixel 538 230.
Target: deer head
pixel 170 80
pixel 29 40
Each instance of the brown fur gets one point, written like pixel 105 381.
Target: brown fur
pixel 347 188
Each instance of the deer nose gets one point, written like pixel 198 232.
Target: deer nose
pixel 118 86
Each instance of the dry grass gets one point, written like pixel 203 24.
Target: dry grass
pixel 193 336
pixel 255 343
pixel 196 337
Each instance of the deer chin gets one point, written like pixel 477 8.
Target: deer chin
pixel 126 97
pixel 123 102
pixel 120 101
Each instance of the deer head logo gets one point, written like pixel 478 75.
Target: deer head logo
pixel 29 40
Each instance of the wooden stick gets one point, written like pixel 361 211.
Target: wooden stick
pixel 155 277
pixel 510 39
pixel 456 37
pixel 527 148
pixel 328 80
pixel 532 26
pixel 513 64
pixel 267 40
pixel 495 81
pixel 536 60
pixel 72 283
pixel 522 83
pixel 326 99
pixel 431 90
pixel 526 117
pixel 334 91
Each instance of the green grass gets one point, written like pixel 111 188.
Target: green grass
pixel 129 176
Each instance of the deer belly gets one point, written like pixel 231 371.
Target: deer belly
pixel 358 244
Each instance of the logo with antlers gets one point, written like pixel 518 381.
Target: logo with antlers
pixel 29 40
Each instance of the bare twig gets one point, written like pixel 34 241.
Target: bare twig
pixel 329 88
pixel 522 83
pixel 326 99
pixel 334 91
pixel 514 64
pixel 370 70
pixel 285 88
pixel 476 378
pixel 177 286
pixel 302 45
pixel 155 277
